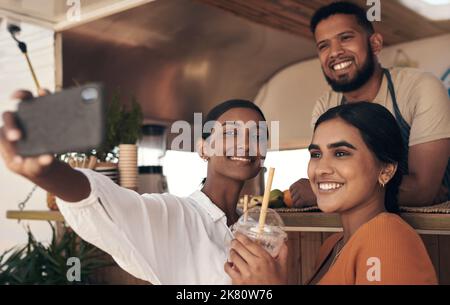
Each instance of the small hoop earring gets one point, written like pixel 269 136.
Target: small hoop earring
pixel 382 184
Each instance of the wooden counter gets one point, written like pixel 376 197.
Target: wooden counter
pixel 35 215
pixel 307 232
pixel 424 223
pixel 437 224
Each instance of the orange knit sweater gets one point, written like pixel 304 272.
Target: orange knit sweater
pixel 385 250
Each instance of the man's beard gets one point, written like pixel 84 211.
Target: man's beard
pixel 361 77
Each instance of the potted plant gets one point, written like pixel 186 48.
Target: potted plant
pixel 107 153
pixel 123 129
pixel 36 263
pixel 129 133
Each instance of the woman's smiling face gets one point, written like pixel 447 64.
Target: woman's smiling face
pixel 343 172
pixel 242 146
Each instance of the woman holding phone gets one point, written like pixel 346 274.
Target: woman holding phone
pixel 353 171
pixel 160 238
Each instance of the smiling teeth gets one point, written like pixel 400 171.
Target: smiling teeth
pixel 240 159
pixel 329 186
pixel 342 65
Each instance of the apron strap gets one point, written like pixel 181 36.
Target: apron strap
pixel 404 127
pixel 405 131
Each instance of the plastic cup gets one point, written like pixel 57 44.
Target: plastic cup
pixel 272 236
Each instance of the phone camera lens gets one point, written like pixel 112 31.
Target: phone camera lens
pixel 89 95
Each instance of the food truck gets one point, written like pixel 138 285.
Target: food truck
pixel 175 58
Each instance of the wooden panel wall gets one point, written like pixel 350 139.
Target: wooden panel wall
pixel 303 251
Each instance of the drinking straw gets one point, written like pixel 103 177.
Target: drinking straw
pixel 14 29
pixel 33 74
pixel 245 208
pixel 265 203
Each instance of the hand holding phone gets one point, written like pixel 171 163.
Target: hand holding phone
pixel 68 121
pixel 43 170
pixel 9 135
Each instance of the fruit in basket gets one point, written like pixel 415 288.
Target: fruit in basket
pixel 278 204
pixel 276 199
pixel 254 201
pixel 275 195
pixel 287 198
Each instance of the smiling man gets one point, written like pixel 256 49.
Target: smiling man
pixel 348 49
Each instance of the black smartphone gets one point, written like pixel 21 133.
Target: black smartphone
pixel 72 120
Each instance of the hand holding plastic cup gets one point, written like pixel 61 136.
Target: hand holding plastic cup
pixel 271 237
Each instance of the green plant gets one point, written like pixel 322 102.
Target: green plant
pixel 113 119
pixel 36 263
pixel 131 124
pixel 123 126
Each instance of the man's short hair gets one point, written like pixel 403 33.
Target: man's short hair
pixel 341 7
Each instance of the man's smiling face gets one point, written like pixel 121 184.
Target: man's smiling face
pixel 344 51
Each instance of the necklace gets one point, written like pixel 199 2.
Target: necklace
pixel 339 248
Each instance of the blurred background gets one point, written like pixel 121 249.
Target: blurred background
pixel 177 57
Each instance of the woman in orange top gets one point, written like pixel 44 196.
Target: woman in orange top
pixel 353 171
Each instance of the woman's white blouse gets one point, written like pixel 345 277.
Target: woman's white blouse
pixel 160 238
